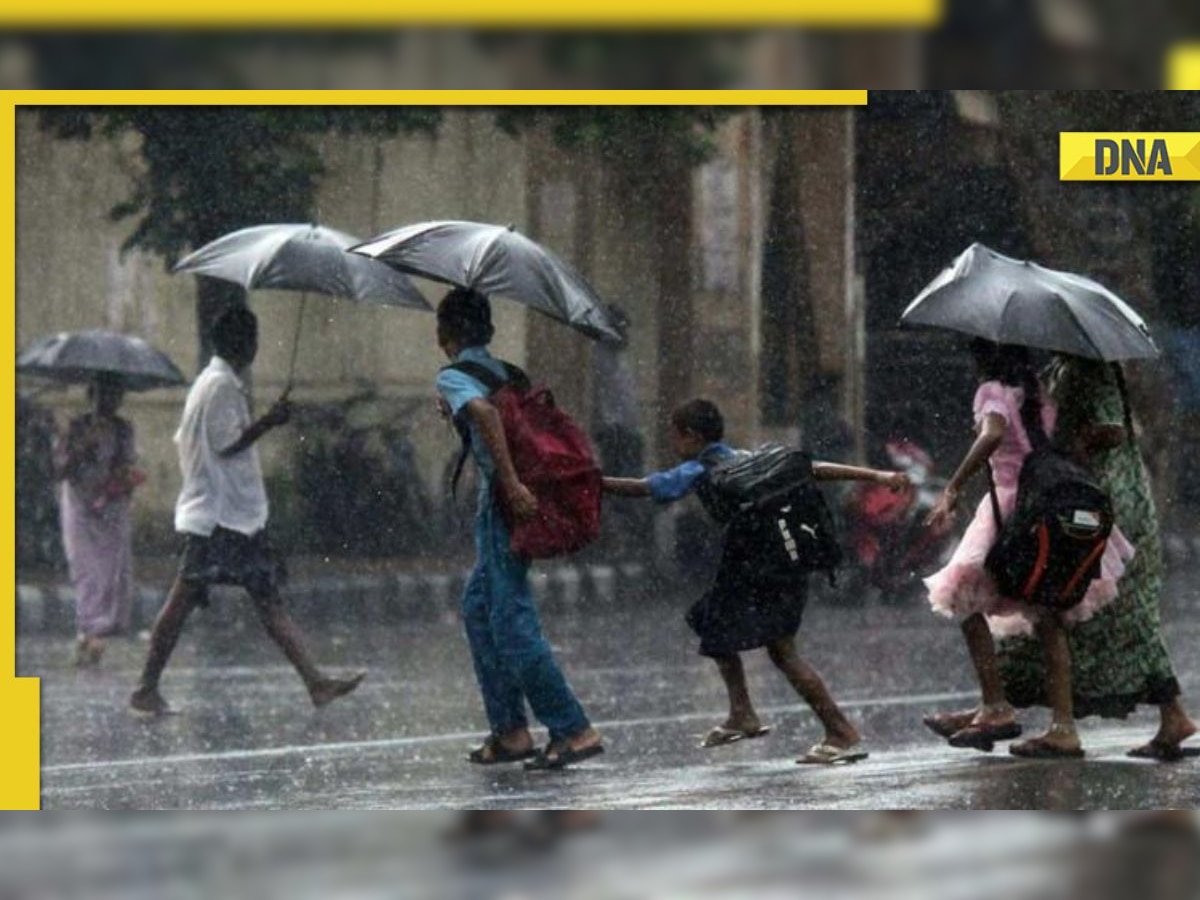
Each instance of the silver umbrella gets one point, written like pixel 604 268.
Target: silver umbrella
pixel 497 261
pixel 302 258
pixel 82 356
pixel 1009 301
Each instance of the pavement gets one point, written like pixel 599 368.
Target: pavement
pixel 246 737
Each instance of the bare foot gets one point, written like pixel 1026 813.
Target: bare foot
pixel 947 723
pixel 844 738
pixel 329 689
pixel 589 737
pixel 1057 742
pixel 512 746
pixel 989 716
pixel 88 651
pixel 1174 731
pixel 149 703
pixel 746 724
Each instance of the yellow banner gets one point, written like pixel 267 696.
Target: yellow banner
pixel 1129 156
pixel 479 13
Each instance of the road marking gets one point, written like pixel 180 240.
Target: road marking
pixel 421 740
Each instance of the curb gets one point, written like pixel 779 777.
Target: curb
pixel 387 598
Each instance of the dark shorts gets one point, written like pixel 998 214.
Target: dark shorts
pixel 230 557
pixel 748 606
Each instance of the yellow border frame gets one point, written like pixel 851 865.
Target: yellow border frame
pixel 20 777
pixel 479 13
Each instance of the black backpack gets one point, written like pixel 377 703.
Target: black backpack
pixel 1049 550
pixel 770 493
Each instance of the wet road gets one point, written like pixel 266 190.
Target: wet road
pixel 247 738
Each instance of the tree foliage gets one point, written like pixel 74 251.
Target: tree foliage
pixel 204 171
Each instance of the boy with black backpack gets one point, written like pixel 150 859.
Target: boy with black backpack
pixel 778 530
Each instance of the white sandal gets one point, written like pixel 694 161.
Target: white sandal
pixel 824 754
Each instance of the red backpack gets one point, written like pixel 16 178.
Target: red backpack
pixel 553 459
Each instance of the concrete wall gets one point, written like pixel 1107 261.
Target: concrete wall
pixel 679 247
pixel 70 275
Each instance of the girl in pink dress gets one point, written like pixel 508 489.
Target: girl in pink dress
pixel 1011 418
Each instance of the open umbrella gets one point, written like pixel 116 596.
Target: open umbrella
pixel 302 258
pixel 1009 301
pixel 497 261
pixel 82 356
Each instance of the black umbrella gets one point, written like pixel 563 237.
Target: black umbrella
pixel 497 261
pixel 83 356
pixel 1009 301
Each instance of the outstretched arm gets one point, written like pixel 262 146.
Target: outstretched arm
pixel 824 471
pixel 990 434
pixel 627 487
pixel 486 418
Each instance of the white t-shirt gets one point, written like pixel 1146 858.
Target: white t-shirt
pixel 228 492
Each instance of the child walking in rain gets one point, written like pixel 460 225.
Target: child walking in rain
pixel 222 515
pixel 513 661
pixel 1012 420
pixel 748 607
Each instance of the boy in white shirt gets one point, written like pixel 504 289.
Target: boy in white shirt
pixel 222 514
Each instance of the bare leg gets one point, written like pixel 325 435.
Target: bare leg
pixel 808 684
pixel 996 709
pixel 1057 651
pixel 742 716
pixel 284 632
pixel 181 600
pixel 1175 725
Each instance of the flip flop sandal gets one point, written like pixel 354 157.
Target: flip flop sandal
pixel 545 762
pixel 984 737
pixel 1161 752
pixel 829 755
pixel 945 725
pixel 492 753
pixel 1036 748
pixel 722 736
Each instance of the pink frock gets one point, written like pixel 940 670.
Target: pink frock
pixel 963 587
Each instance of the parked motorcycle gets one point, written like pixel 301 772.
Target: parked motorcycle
pixel 886 536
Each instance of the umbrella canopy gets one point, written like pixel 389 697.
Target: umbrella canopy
pixel 1012 301
pixel 496 261
pixel 302 258
pixel 82 356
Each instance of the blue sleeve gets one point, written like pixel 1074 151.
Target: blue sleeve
pixel 675 483
pixel 458 389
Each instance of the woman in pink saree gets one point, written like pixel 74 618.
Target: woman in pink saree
pixel 95 462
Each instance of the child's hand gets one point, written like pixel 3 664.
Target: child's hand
pixel 443 409
pixel 521 501
pixel 897 481
pixel 280 413
pixel 943 512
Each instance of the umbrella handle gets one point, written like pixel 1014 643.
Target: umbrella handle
pixel 295 344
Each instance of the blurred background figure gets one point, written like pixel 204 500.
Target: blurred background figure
pixel 95 463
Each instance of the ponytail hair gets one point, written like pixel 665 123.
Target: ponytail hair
pixel 1012 365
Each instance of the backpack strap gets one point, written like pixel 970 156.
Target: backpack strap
pixel 995 498
pixel 513 375
pixel 489 379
